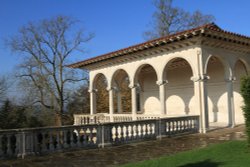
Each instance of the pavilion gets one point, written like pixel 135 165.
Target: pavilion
pixel 193 72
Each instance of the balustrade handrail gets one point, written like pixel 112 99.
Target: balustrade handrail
pixel 21 142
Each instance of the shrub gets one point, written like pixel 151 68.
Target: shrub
pixel 245 92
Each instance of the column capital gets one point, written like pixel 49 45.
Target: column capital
pixel 110 88
pixel 92 90
pixel 200 78
pixel 230 79
pixel 161 82
pixel 131 86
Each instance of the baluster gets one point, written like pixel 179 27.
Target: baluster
pixel 184 125
pixel 137 131
pixel 167 128
pixel 84 137
pixel 91 136
pixel 116 134
pixel 146 131
pixel 127 133
pixel 87 134
pixel 174 127
pixel 12 140
pixel 51 142
pixel 65 143
pixel 181 125
pixel 78 136
pixel 131 131
pixel 177 126
pixel 1 146
pixel 9 152
pixel 122 134
pixel 71 140
pixel 190 124
pixel 46 141
pixel 187 125
pixel 150 129
pixel 59 140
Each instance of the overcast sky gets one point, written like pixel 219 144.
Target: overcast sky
pixel 116 23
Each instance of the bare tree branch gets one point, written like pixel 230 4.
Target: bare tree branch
pixel 47 46
pixel 168 19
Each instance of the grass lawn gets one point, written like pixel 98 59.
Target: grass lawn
pixel 229 154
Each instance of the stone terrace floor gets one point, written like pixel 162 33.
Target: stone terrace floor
pixel 115 156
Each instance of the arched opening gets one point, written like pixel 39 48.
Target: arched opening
pixel 102 97
pixel 239 71
pixel 122 92
pixel 147 91
pixel 217 93
pixel 179 89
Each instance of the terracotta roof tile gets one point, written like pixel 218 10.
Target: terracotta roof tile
pixel 154 43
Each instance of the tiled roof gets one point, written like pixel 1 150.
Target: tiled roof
pixel 154 43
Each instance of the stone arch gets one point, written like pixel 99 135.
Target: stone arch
pixel 218 70
pixel 170 61
pixel 145 79
pixel 138 70
pixel 225 63
pixel 122 95
pixel 240 69
pixel 100 84
pixel 243 63
pixel 179 87
pixel 115 73
pixel 95 78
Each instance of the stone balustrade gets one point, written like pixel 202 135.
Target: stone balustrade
pixel 85 119
pixel 37 141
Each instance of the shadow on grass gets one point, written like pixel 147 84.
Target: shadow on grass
pixel 205 163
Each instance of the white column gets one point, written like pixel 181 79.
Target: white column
pixel 230 102
pixel 162 95
pixel 111 104
pixel 92 101
pixel 200 92
pixel 119 102
pixel 133 101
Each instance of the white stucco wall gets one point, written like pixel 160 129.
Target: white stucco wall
pixel 180 96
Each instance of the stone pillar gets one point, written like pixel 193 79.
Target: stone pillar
pixel 111 104
pixel 119 102
pixel 200 92
pixel 133 101
pixel 92 101
pixel 230 102
pixel 162 95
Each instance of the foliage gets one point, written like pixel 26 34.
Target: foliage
pixel 102 95
pixel 13 116
pixel 3 88
pixel 78 104
pixel 214 155
pixel 79 101
pixel 168 19
pixel 245 92
pixel 47 46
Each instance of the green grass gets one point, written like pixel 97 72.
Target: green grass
pixel 229 154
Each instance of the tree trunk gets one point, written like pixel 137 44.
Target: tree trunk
pixel 58 119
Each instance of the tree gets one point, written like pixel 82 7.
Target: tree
pixel 13 116
pixel 47 46
pixel 168 19
pixel 79 103
pixel 245 92
pixel 3 88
